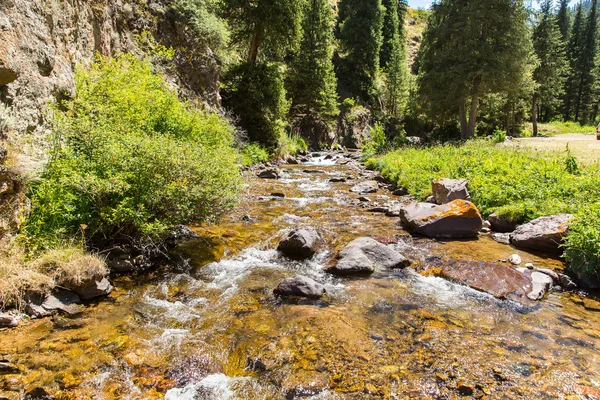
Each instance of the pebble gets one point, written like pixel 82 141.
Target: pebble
pixel 465 389
pixel 515 259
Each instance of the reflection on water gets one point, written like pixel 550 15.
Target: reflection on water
pixel 212 328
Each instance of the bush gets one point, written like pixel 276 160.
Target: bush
pixel 582 247
pixel 377 144
pixel 255 93
pixel 499 136
pixel 131 160
pixel 254 153
pixel 290 145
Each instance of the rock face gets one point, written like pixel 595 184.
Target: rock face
pixel 354 127
pixel 458 219
pixel 40 48
pixel 300 286
pixel 501 224
pixel 365 187
pixel 542 234
pixel 364 255
pixel 316 130
pixel 300 243
pixel 448 190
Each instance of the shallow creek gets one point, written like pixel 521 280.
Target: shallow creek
pixel 211 327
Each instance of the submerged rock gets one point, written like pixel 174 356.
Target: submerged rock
pixel 363 255
pixel 365 187
pixel 543 234
pixel 501 224
pixel 448 190
pixel 300 243
pixel 458 219
pixel 300 286
pixel 180 233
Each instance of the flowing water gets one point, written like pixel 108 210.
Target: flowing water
pixel 211 328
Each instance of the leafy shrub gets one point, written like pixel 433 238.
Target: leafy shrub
pixel 582 247
pixel 499 136
pixel 207 29
pixel 348 103
pixel 254 153
pixel 131 160
pixel 378 142
pixel 255 93
pixel 290 145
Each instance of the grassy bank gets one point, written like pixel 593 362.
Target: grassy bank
pixel 516 183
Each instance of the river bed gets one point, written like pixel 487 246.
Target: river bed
pixel 209 326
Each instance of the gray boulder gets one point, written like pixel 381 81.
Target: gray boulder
pixel 365 187
pixel 271 173
pixel 300 243
pixel 542 234
pixel 501 224
pixel 458 219
pixel 364 255
pixel 62 300
pixel 300 286
pixel 448 190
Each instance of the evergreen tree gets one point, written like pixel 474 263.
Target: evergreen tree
pixel 472 48
pixel 564 20
pixel 360 40
pixel 274 25
pixel 312 81
pixel 586 65
pixel 574 50
pixel 393 60
pixel 550 72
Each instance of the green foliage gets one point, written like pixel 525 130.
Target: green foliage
pixel 571 165
pixel 348 103
pixel 255 93
pixel 312 81
pixel 130 160
pixel 551 70
pixel 360 40
pixel 377 144
pixel 499 136
pixel 272 25
pixel 582 247
pixel 206 29
pixel 253 153
pixel 564 20
pixel 291 144
pixel 519 184
pixel 471 49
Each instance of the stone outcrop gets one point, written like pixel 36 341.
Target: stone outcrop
pixel 543 234
pixel 364 255
pixel 300 286
pixel 448 190
pixel 300 243
pixel 458 219
pixel 354 127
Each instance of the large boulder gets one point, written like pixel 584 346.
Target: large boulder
pixel 354 128
pixel 458 219
pixel 271 173
pixel 365 187
pixel 300 243
pixel 498 279
pixel 448 190
pixel 364 255
pixel 62 300
pixel 92 288
pixel 543 234
pixel 300 286
pixel 501 224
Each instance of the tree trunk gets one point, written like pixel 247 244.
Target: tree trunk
pixel 464 126
pixel 473 116
pixel 534 115
pixel 254 43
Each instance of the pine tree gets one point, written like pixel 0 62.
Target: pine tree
pixel 312 81
pixel 550 72
pixel 586 64
pixel 360 40
pixel 574 50
pixel 393 60
pixel 564 20
pixel 472 48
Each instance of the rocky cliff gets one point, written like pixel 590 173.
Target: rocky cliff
pixel 43 41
